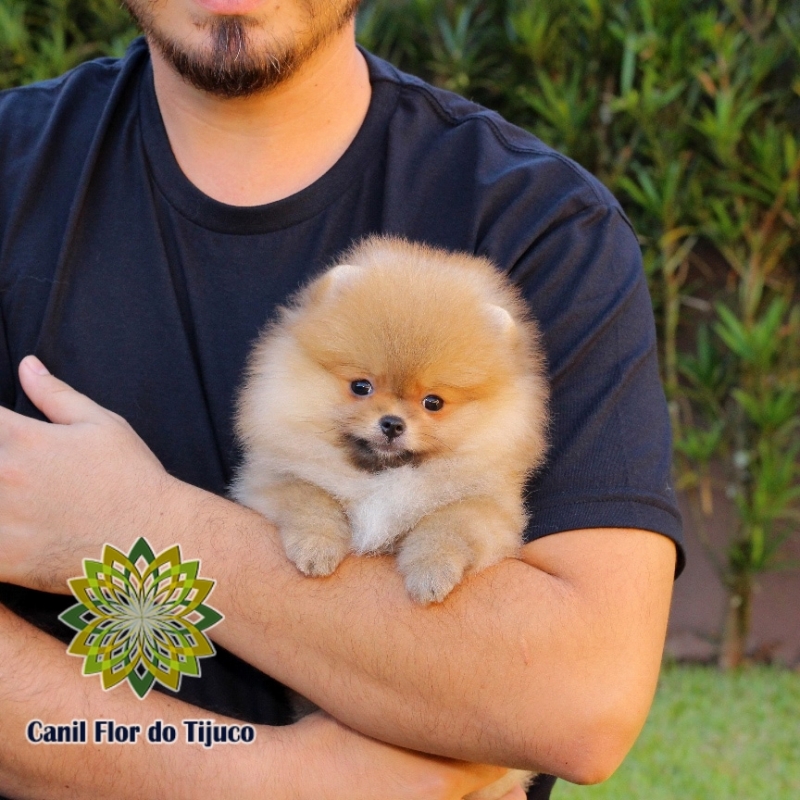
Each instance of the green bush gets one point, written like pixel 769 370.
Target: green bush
pixel 40 39
pixel 689 110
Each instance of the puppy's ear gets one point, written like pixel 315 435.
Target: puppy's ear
pixel 336 279
pixel 502 321
pixel 328 285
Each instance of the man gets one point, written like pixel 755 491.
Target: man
pixel 154 211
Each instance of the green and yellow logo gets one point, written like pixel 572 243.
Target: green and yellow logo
pixel 141 617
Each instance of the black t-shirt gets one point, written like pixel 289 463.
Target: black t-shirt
pixel 145 294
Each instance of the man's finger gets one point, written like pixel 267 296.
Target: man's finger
pixel 59 402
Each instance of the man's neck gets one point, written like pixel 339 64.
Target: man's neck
pixel 259 149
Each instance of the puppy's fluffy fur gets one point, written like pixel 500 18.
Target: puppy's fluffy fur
pixel 397 404
pixel 346 447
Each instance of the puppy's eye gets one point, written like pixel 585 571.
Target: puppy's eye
pixel 361 387
pixel 432 402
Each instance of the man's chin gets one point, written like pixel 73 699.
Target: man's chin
pixel 232 63
pixel 227 68
pixel 227 81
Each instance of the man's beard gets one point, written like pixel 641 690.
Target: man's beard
pixel 234 66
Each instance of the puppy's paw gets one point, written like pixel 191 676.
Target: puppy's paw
pixel 317 553
pixel 432 559
pixel 316 557
pixel 431 582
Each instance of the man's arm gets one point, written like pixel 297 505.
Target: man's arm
pixel 38 681
pixel 317 757
pixel 548 663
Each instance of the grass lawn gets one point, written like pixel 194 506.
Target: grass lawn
pixel 712 737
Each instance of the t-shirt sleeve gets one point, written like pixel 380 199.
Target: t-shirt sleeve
pixel 609 461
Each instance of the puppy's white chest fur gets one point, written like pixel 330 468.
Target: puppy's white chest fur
pixel 390 503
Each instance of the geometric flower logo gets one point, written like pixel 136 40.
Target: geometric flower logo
pixel 141 617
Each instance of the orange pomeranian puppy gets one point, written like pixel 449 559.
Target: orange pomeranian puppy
pixel 397 405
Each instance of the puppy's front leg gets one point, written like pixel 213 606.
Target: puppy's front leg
pixel 312 525
pixel 469 535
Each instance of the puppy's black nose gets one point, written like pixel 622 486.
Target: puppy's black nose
pixel 392 426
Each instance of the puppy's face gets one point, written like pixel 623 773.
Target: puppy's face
pixel 407 370
pixel 383 425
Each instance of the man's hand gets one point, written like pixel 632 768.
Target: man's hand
pixel 67 488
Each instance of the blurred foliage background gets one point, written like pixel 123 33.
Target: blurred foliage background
pixel 689 111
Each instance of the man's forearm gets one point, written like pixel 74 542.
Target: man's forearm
pixel 317 757
pixel 514 668
pixel 39 681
